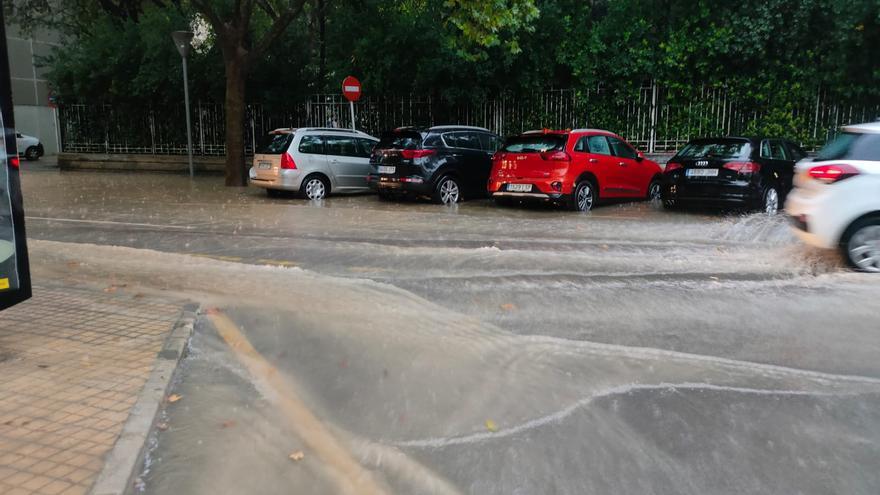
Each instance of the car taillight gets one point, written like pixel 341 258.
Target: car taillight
pixel 555 156
pixel 287 162
pixel 830 174
pixel 672 166
pixel 14 162
pixel 411 154
pixel 744 168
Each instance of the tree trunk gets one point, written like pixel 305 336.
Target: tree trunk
pixel 236 169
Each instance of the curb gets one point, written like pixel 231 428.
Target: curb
pixel 123 462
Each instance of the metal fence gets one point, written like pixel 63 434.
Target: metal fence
pixel 652 118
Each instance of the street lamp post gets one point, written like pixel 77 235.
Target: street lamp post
pixel 183 42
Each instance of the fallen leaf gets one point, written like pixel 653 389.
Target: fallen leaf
pixel 162 426
pixel 508 306
pixel 491 426
pixel 297 456
pixel 73 264
pixel 227 424
pixel 174 398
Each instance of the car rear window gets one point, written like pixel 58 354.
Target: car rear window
pixel 538 143
pixel 851 146
pixel 722 148
pixel 274 144
pixel 401 140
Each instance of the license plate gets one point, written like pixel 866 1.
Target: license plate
pixel 264 165
pixel 702 172
pixel 519 187
pixel 384 169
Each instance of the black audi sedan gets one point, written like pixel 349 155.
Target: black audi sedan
pixel 445 163
pixel 752 173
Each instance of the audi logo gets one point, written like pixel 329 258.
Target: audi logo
pixel 702 163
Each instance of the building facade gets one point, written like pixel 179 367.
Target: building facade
pixel 34 113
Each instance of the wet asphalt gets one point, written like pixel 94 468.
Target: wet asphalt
pixel 483 350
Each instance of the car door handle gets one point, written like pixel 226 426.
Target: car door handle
pixel 594 160
pixel 622 164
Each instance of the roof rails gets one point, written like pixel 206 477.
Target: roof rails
pixel 470 127
pixel 331 129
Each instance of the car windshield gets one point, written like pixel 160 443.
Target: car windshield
pixel 535 143
pixel 274 144
pixel 721 149
pixel 439 247
pixel 401 140
pixel 852 146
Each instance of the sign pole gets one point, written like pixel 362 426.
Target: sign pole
pixel 351 90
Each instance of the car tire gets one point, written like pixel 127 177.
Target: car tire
pixel 32 154
pixel 770 201
pixel 447 191
pixel 584 196
pixel 671 204
pixel 385 195
pixel 314 187
pixel 655 190
pixel 860 245
pixel 273 193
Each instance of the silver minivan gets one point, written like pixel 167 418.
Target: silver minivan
pixel 313 161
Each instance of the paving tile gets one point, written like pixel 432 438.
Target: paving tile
pixel 80 359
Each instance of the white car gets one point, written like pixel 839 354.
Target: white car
pixel 313 161
pixel 835 202
pixel 28 146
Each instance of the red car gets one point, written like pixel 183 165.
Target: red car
pixel 574 168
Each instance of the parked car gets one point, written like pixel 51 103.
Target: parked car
pixel 29 147
pixel 754 173
pixel 446 163
pixel 313 161
pixel 573 168
pixel 836 199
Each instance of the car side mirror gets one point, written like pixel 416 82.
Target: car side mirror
pixel 640 156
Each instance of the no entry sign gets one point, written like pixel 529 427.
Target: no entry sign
pixel 351 88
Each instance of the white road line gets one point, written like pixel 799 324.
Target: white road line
pixel 570 409
pixel 110 222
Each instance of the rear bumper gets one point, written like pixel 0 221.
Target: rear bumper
pixel 412 184
pixel 542 190
pixel 287 180
pixel 812 218
pixel 714 193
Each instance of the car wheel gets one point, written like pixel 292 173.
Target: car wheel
pixel 655 190
pixel 670 204
pixel 314 187
pixel 32 154
pixel 861 245
pixel 447 192
pixel 771 201
pixel 273 193
pixel 385 195
pixel 584 196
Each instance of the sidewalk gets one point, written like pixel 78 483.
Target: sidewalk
pixel 73 364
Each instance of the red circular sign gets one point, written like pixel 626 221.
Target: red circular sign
pixel 351 88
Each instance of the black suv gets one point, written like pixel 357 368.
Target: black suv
pixel 732 171
pixel 446 163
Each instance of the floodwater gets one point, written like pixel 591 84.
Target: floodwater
pixel 411 348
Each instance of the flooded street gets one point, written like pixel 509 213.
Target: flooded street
pixel 410 348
